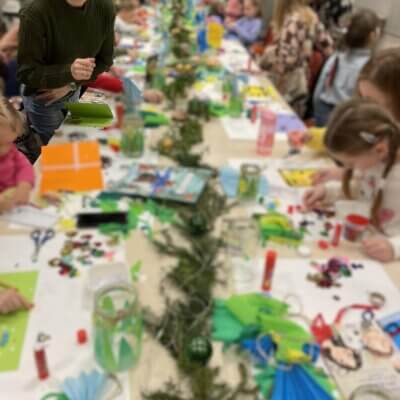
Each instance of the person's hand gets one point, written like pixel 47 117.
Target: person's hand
pixel 50 96
pixel 326 175
pixel 314 197
pixel 378 248
pixel 82 68
pixel 7 203
pixel 153 96
pixel 22 193
pixel 11 300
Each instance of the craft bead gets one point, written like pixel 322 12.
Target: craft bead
pixel 323 245
pixel 82 336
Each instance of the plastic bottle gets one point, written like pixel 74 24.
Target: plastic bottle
pixel 266 135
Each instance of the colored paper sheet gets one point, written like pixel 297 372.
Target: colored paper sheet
pixel 13 326
pixel 289 123
pixel 72 167
pixel 298 178
pixel 89 114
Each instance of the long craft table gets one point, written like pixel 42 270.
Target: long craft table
pixel 155 366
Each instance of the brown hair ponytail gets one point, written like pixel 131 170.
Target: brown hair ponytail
pixel 357 126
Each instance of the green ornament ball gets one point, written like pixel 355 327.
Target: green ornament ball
pixel 199 350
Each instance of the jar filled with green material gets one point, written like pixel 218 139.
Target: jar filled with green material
pixel 236 106
pixel 117 328
pixel 158 79
pixel 249 181
pixel 132 141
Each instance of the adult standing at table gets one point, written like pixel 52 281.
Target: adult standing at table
pixel 62 45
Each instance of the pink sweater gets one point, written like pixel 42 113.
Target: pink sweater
pixel 14 169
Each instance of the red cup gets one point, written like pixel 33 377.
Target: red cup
pixel 355 226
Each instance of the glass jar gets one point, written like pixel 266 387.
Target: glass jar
pixel 132 141
pixel 249 181
pixel 117 328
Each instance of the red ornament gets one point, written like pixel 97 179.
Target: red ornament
pixel 323 245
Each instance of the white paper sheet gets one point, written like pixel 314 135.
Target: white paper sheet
pixel 31 216
pixel 58 312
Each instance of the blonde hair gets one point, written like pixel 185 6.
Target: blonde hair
pixel 13 117
pixel 354 128
pixel 284 8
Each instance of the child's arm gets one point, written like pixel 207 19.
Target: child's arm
pixel 25 179
pixel 323 195
pixel 248 33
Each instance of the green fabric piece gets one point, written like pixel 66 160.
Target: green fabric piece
pixel 108 205
pixel 285 328
pixel 226 328
pixel 218 110
pixel 112 229
pixel 153 119
pixel 163 214
pixel 248 308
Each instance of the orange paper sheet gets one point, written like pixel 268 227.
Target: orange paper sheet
pixel 72 167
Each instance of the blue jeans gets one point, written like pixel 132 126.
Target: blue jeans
pixel 46 119
pixel 322 111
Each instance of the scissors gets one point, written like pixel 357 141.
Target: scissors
pixel 40 237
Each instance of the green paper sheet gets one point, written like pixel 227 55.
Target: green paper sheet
pixel 16 324
pixel 89 114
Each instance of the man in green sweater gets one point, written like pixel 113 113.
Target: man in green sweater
pixel 62 45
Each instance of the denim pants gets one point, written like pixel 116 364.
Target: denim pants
pixel 322 111
pixel 45 119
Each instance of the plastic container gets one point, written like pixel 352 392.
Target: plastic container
pixel 266 135
pixel 249 180
pixel 355 226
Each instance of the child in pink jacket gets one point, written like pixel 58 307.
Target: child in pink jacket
pixel 16 173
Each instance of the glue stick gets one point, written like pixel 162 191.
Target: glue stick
pixel 269 267
pixel 41 361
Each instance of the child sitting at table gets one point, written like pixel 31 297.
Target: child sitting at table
pixel 16 172
pixel 378 81
pixel 365 139
pixel 127 20
pixel 339 76
pixel 248 28
pixel 233 11
pixel 297 32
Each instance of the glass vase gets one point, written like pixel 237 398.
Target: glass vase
pixel 117 328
